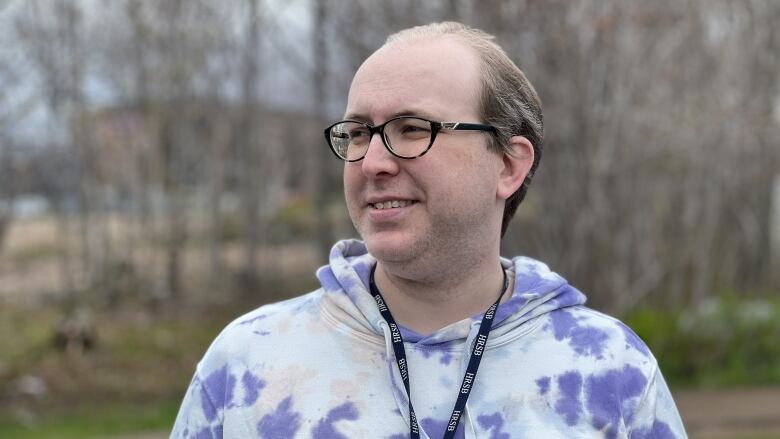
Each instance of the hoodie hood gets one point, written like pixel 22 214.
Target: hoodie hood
pixel 537 291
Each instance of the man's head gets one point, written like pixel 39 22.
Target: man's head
pixel 507 100
pixel 457 195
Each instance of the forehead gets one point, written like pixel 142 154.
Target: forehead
pixel 435 77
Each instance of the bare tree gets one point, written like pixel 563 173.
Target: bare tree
pixel 660 148
pixel 54 34
pixel 8 115
pixel 245 137
pixel 320 80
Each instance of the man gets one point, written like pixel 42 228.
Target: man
pixel 423 330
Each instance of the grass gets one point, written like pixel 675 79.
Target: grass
pixel 135 356
pixel 92 421
pixel 132 380
pixel 724 341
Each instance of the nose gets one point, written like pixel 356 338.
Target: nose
pixel 378 160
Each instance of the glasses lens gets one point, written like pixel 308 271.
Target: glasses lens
pixel 349 140
pixel 408 136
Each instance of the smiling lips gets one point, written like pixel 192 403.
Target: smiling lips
pixel 391 204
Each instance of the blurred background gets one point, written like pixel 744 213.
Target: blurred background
pixel 163 170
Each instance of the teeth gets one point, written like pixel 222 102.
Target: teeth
pixel 392 204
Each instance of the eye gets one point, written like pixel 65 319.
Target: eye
pixel 358 132
pixel 413 128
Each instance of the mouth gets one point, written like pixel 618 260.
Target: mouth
pixel 391 204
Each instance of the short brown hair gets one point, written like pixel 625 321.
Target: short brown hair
pixel 508 101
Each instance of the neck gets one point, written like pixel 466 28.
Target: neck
pixel 431 303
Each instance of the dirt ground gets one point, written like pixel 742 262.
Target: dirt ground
pixel 733 413
pixel 746 413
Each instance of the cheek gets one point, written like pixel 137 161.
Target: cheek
pixel 352 181
pixel 472 186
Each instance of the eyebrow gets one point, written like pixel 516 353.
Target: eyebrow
pixel 363 118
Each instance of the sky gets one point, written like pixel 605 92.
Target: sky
pixel 280 85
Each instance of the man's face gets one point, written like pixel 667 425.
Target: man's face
pixel 447 198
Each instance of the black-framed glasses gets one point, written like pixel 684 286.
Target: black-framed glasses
pixel 406 137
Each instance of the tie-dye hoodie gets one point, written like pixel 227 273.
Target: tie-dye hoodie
pixel 322 366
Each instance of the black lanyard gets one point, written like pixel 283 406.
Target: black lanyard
pixel 471 370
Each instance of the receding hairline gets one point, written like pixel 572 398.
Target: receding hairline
pixel 488 53
pixel 436 40
pixel 479 43
pixel 483 44
pixel 457 30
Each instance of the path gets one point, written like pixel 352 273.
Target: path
pixel 732 413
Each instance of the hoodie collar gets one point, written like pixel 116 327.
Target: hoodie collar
pixel 537 291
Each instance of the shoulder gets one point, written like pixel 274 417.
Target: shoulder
pixel 601 352
pixel 592 333
pixel 258 331
pixel 305 304
pixel 604 369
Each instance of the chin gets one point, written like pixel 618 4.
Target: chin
pixel 390 247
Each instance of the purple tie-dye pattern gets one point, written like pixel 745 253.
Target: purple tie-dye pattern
pixel 350 248
pixel 548 296
pixel 303 305
pixel 325 428
pixel 363 270
pixel 494 423
pixel 204 433
pixel 328 279
pixel 352 283
pixel 569 405
pixel 217 430
pixel 562 323
pixel 544 385
pixel 206 406
pixel 446 358
pixel 568 296
pixel 517 300
pixel 557 303
pixel 428 351
pixel 509 308
pixel 584 340
pixel 589 341
pixel 253 319
pixel 528 273
pixel 252 387
pixel 609 395
pixel 349 268
pixel 217 392
pixel 659 430
pixel 436 428
pixel 633 340
pixel 572 335
pixel 410 335
pixel 282 423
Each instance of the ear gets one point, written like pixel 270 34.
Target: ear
pixel 516 165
